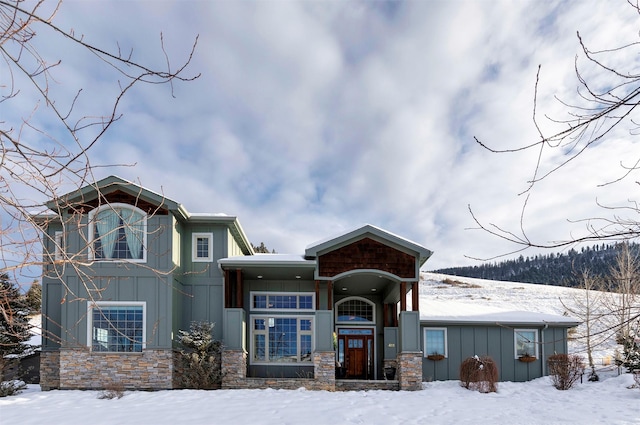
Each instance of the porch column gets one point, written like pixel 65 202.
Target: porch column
pixel 403 296
pixel 239 297
pixel 227 288
pixel 330 295
pixel 410 355
pixel 415 297
pixel 317 295
pixel 324 356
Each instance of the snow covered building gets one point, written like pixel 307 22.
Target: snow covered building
pixel 344 314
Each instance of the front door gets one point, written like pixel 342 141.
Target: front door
pixel 355 351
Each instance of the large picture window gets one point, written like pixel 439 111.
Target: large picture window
pixel 282 340
pixel 435 342
pixel 116 327
pixel 118 232
pixel 526 342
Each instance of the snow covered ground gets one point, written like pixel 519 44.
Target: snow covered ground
pixel 611 401
pixel 537 402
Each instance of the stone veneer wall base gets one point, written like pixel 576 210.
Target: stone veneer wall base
pixel 149 370
pixel 49 370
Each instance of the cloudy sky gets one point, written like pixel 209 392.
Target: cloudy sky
pixel 313 117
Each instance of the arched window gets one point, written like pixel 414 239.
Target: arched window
pixel 355 310
pixel 117 232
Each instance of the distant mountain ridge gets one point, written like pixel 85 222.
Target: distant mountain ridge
pixel 559 269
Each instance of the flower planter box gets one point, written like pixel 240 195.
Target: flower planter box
pixel 435 357
pixel 527 359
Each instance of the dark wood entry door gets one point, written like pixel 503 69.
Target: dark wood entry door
pixel 358 353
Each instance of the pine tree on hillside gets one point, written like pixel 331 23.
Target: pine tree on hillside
pixel 262 249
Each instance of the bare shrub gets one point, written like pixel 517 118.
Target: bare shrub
pixel 460 284
pixel 112 391
pixel 480 374
pixel 565 370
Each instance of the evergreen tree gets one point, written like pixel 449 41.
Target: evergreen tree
pixel 14 332
pixel 262 249
pixel 33 297
pixel 14 324
pixel 200 357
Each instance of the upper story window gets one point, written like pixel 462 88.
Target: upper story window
pixel 355 310
pixel 117 232
pixel 526 342
pixel 202 247
pixel 282 301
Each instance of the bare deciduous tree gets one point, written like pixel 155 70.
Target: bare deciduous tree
pixel 47 141
pixel 591 119
pixel 587 306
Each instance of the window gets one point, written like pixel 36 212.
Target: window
pixel 282 301
pixel 117 232
pixel 281 339
pixel 202 247
pixel 526 342
pixel 59 245
pixel 355 310
pixel 435 341
pixel 117 326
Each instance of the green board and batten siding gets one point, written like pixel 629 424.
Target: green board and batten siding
pixel 464 341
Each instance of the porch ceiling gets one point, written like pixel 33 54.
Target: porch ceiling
pixel 368 284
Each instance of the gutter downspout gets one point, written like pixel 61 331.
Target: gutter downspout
pixel 544 363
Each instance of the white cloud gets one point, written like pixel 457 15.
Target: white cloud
pixel 312 117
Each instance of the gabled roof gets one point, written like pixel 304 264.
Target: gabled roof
pixel 111 184
pixel 361 232
pixel 114 183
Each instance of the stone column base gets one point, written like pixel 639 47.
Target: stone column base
pixel 410 370
pixel 324 370
pixel 234 369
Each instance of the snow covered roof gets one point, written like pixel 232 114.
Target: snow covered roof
pixel 268 259
pixel 441 312
pixel 313 249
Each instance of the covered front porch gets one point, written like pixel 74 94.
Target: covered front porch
pixel 338 317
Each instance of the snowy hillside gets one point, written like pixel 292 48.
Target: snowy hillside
pixel 477 296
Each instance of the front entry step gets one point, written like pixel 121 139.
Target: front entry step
pixel 365 385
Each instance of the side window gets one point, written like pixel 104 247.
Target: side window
pixel 526 343
pixel 117 232
pixel 117 327
pixel 202 247
pixel 59 245
pixel 435 342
